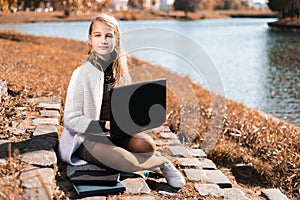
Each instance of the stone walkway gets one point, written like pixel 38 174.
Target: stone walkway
pixel 41 179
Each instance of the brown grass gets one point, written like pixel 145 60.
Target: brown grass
pixel 9 176
pixel 38 66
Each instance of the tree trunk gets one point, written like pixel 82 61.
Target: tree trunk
pixel 186 13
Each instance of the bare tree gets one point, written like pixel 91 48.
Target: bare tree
pixel 287 8
pixel 187 6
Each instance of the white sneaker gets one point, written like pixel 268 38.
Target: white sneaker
pixel 172 175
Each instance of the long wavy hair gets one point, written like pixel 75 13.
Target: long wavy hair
pixel 120 63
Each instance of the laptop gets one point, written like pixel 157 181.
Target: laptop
pixel 137 107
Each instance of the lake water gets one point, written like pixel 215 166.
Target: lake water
pixel 240 51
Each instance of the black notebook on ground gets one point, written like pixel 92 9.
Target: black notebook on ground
pixel 95 177
pixel 98 190
pixel 91 180
pixel 92 174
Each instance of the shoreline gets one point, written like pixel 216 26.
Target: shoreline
pixel 33 17
pixel 134 15
pixel 246 135
pixel 286 24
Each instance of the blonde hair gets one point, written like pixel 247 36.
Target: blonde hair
pixel 120 63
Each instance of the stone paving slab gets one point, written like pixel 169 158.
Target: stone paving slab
pixel 234 194
pixel 195 162
pixel 179 151
pixel 45 158
pixel 219 178
pixel 167 142
pixel 216 176
pixel 198 153
pixel 136 186
pixel 189 162
pixel 46 130
pixel 207 164
pixel 196 175
pixel 50 106
pixel 273 194
pixel 206 189
pixel 45 121
pixel 49 113
pixel 37 182
pixel 44 100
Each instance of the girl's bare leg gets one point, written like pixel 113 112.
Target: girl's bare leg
pixel 139 155
pixel 123 160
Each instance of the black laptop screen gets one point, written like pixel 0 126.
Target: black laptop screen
pixel 138 107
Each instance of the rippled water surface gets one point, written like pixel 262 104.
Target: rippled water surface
pixel 258 66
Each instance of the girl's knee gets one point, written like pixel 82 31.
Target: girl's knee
pixel 142 145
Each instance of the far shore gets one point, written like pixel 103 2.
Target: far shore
pixel 31 17
pixel 58 16
pixel 287 23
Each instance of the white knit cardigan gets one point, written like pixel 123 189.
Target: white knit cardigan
pixel 82 109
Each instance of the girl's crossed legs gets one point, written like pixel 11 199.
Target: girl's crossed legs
pixel 128 154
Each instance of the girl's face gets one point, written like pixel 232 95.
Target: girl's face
pixel 103 40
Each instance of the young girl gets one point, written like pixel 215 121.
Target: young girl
pixel 86 114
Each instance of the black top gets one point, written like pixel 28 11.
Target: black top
pixel 109 81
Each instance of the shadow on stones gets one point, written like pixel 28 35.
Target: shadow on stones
pixel 247 175
pixel 35 143
pixel 158 186
pixel 63 182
